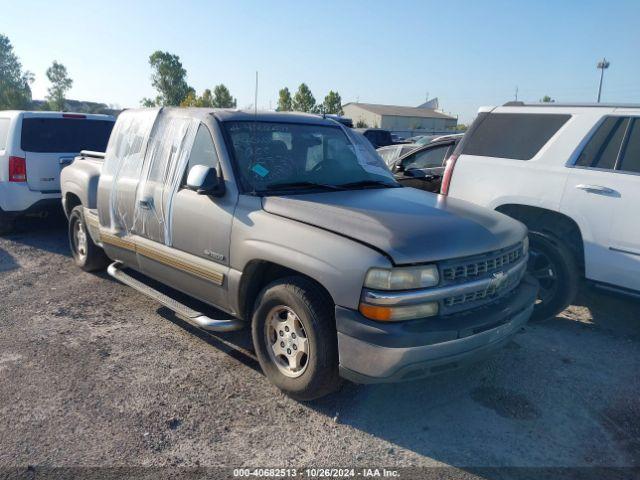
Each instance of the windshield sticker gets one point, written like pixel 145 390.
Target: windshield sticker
pixel 260 170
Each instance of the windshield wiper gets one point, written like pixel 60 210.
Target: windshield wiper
pixel 369 183
pixel 296 185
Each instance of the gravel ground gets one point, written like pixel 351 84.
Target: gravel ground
pixel 94 374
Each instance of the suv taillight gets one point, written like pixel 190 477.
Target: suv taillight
pixel 448 172
pixel 17 169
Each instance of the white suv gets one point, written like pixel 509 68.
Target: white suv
pixel 571 173
pixel 34 147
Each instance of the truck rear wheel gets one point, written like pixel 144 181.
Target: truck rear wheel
pixel 86 254
pixel 295 338
pixel 553 264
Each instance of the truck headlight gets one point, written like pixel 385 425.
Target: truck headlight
pixel 402 278
pixel 398 314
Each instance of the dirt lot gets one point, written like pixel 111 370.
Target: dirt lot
pixel 93 373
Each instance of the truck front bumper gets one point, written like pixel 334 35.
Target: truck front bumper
pixel 377 352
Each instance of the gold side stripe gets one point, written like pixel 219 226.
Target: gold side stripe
pixel 191 268
pixel 197 270
pixel 117 241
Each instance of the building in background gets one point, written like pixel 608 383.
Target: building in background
pixel 405 121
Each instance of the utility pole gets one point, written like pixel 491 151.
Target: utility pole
pixel 516 93
pixel 602 65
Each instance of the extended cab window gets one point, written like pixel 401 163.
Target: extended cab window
pixel 517 136
pixel 203 151
pixel 428 158
pixel 602 149
pixel 631 155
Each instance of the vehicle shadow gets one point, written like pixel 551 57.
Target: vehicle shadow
pixel 48 234
pixel 517 408
pixel 7 262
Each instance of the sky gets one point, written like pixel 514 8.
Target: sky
pixel 466 53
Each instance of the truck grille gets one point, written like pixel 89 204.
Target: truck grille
pixel 494 262
pixel 493 291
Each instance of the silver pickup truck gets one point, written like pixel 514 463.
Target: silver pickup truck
pixel 292 224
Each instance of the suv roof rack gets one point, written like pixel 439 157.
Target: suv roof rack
pixel 585 105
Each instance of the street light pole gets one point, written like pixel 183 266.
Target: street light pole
pixel 602 65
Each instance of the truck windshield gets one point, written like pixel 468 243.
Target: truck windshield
pixel 277 157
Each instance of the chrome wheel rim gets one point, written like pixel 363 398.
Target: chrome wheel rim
pixel 287 341
pixel 80 240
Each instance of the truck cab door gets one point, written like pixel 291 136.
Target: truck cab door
pixel 201 226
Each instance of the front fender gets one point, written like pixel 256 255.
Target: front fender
pixel 337 263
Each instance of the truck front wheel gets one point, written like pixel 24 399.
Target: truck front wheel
pixel 295 339
pixel 86 254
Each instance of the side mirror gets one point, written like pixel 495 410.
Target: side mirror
pixel 205 181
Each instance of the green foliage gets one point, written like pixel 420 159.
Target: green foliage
pixel 461 127
pixel 332 103
pixel 303 100
pixel 361 124
pixel 192 100
pixel 15 92
pixel 222 97
pixel 284 100
pixel 547 99
pixel 169 78
pixel 60 84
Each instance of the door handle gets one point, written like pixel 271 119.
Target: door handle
pixel 145 203
pixel 599 189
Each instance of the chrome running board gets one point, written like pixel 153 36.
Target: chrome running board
pixel 194 317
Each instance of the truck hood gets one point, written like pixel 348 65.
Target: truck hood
pixel 409 225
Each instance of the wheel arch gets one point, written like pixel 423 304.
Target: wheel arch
pixel 259 273
pixel 70 201
pixel 549 221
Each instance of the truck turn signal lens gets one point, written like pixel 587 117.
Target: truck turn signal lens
pixel 399 314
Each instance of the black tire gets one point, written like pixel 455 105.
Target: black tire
pixel 90 257
pixel 555 267
pixel 303 297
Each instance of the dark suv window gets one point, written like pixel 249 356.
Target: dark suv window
pixel 427 158
pixel 64 135
pixel 517 136
pixel 631 155
pixel 604 146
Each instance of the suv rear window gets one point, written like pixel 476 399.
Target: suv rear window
pixel 517 136
pixel 65 135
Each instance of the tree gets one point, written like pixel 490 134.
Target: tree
pixel 303 100
pixel 192 100
pixel 60 84
pixel 222 97
pixel 169 78
pixel 15 92
pixel 284 100
pixel 332 103
pixel 547 99
pixel 361 124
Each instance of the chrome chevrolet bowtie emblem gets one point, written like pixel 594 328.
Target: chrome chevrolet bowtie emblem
pixel 498 279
